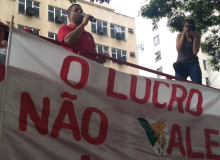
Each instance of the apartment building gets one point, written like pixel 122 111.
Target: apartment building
pixel 114 33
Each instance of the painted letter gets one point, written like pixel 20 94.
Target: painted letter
pixel 155 94
pixel 66 108
pixel 176 130
pixel 199 103
pixel 27 107
pixel 190 152
pixel 210 143
pixel 85 126
pixel 134 87
pixel 84 72
pixel 179 100
pixel 110 87
pixel 85 158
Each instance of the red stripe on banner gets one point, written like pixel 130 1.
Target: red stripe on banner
pixel 2 71
pixel 85 158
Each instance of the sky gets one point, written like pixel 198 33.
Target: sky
pixel 126 7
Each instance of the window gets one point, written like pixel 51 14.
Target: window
pixel 100 27
pixel 102 49
pixel 140 48
pixel 204 63
pixel 156 40
pixel 53 36
pixel 159 70
pixel 54 12
pixel 155 26
pixel 119 54
pixel 117 32
pixel 208 83
pixel 132 54
pixel 130 30
pixel 35 31
pixel 24 4
pixel 158 56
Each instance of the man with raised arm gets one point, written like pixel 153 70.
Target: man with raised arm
pixel 75 35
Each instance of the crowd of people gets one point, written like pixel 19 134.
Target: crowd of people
pixel 74 34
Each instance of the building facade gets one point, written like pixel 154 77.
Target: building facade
pixel 114 33
pixel 160 51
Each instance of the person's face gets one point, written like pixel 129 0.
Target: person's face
pixel 186 25
pixel 2 34
pixel 75 15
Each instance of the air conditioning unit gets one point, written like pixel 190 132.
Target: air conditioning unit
pixel 30 11
pixel 119 35
pixel 132 54
pixel 59 19
pixel 101 31
pixel 130 30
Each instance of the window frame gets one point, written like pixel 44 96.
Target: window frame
pixel 204 64
pixel 207 81
pixel 130 30
pixel 154 29
pixel 96 26
pixel 140 47
pixel 29 28
pixel 54 34
pixel 54 14
pixel 115 31
pixel 158 40
pixel 32 5
pixel 156 54
pixel 158 70
pixel 132 54
pixel 103 50
pixel 116 53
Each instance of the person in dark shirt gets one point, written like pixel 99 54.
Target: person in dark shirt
pixel 187 45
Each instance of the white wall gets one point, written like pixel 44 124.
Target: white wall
pixel 167 46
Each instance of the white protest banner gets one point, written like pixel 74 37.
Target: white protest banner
pixel 59 105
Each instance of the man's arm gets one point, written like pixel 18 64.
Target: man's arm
pixel 73 36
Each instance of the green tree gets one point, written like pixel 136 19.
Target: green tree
pixel 101 1
pixel 206 14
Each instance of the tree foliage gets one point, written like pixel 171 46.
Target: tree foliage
pixel 205 14
pixel 101 1
pixel 211 47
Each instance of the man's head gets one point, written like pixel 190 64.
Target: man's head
pixel 74 14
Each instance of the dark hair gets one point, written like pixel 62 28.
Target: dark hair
pixel 70 8
pixel 6 33
pixel 189 21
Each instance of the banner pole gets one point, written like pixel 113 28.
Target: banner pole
pixel 6 74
